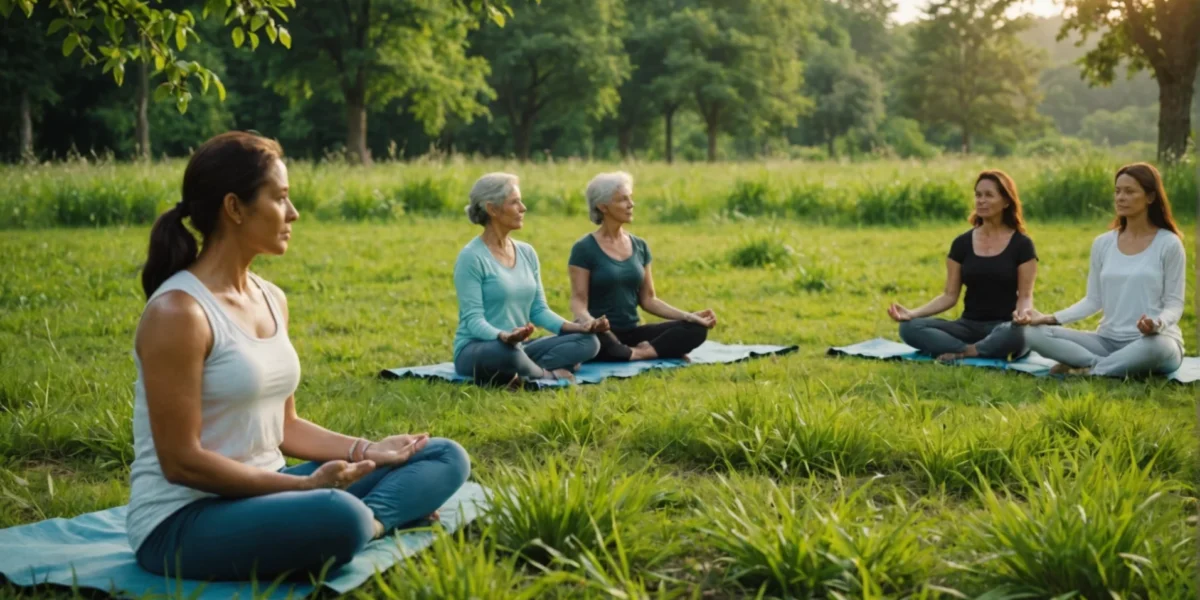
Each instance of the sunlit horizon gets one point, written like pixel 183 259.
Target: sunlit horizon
pixel 908 11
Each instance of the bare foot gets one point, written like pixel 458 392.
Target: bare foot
pixel 1063 369
pixel 378 529
pixel 563 374
pixel 950 356
pixel 643 351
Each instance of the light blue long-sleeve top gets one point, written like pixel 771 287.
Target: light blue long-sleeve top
pixel 494 298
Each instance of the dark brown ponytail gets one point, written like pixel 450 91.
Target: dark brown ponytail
pixel 231 163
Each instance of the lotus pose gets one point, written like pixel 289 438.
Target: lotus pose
pixel 997 263
pixel 1136 278
pixel 214 403
pixel 611 278
pixel 500 298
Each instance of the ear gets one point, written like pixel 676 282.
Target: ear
pixel 233 208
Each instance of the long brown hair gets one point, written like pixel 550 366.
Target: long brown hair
pixel 1159 211
pixel 234 162
pixel 1008 189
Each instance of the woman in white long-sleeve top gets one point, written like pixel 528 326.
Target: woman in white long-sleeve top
pixel 1136 277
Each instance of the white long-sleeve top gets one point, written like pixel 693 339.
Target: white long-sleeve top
pixel 1125 287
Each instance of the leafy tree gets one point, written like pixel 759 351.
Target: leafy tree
pixel 1163 37
pixel 968 69
pixel 554 59
pixel 846 95
pixel 740 64
pixel 115 32
pixel 364 54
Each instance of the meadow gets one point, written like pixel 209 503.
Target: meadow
pixel 796 476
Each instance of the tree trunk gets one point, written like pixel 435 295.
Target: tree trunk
pixel 712 140
pixel 625 140
pixel 356 128
pixel 26 127
pixel 966 141
pixel 829 139
pixel 669 116
pixel 141 107
pixel 1174 116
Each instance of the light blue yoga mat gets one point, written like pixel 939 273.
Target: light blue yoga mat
pixel 1032 364
pixel 595 372
pixel 92 551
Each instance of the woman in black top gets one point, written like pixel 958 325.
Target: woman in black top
pixel 997 263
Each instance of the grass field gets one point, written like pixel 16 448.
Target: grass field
pixel 881 192
pixel 798 476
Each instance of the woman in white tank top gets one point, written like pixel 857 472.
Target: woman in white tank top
pixel 214 410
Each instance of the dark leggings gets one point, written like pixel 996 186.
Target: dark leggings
pixel 670 339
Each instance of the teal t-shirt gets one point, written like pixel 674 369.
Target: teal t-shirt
pixel 613 285
pixel 494 298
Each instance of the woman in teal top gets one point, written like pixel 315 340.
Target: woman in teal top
pixel 610 277
pixel 499 286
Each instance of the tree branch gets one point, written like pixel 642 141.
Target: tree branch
pixel 1135 24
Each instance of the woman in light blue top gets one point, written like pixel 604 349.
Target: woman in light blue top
pixel 499 286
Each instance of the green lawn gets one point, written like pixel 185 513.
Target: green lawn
pixel 801 475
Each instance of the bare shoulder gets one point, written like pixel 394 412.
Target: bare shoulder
pixel 277 293
pixel 172 324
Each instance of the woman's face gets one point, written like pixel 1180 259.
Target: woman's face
pixel 267 222
pixel 989 201
pixel 1129 198
pixel 620 208
pixel 510 214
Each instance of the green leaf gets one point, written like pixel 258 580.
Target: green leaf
pixel 55 25
pixel 204 83
pixel 159 62
pixel 285 38
pixel 182 102
pixel 181 38
pixel 162 91
pixel 256 22
pixel 253 41
pixel 239 37
pixel 220 87
pixel 119 73
pixel 70 44
pixel 272 34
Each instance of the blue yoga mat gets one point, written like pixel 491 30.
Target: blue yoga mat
pixel 1032 364
pixel 92 551
pixel 595 372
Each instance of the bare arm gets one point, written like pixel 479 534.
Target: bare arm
pixel 1026 275
pixel 172 343
pixel 652 304
pixel 580 279
pixel 949 295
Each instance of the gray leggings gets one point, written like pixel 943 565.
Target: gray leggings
pixel 1149 354
pixel 496 363
pixel 992 339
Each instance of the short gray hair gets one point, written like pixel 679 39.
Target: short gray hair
pixel 602 188
pixel 493 188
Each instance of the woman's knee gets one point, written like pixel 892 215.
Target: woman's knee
pixel 909 329
pixel 340 524
pixel 696 332
pixel 451 454
pixel 588 345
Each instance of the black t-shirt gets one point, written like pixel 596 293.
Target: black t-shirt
pixel 991 281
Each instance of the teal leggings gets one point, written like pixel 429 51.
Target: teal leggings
pixel 297 533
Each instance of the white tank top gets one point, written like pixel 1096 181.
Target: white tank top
pixel 246 382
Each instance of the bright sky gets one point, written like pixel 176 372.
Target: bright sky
pixel 910 10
